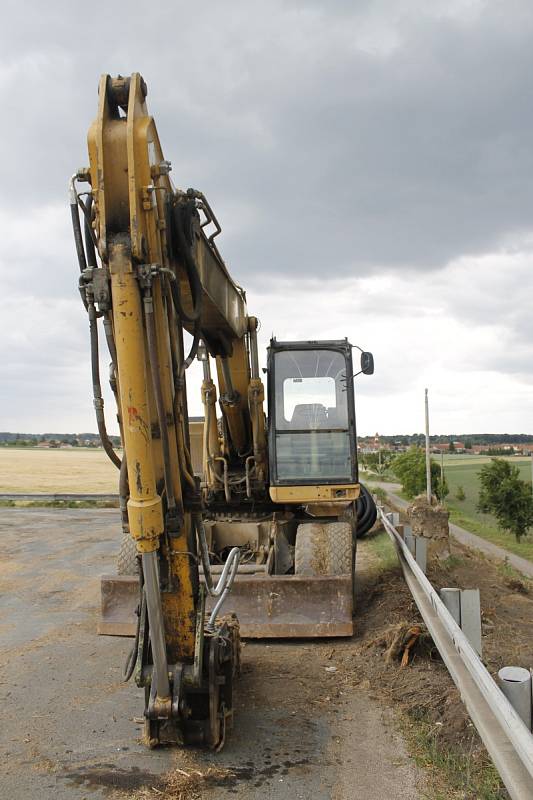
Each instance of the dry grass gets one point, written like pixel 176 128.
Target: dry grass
pixel 49 471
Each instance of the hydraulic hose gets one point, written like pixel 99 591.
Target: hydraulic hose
pixel 76 227
pixel 89 233
pixel 132 656
pixel 229 571
pixel 97 388
pixel 151 339
pixel 194 349
pixel 183 452
pixel 78 238
pixel 93 329
pixel 124 493
pixel 191 270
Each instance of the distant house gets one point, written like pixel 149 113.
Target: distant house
pixel 458 447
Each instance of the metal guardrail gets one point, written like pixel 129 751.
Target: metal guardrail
pixel 508 741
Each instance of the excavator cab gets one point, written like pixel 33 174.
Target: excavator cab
pixel 312 436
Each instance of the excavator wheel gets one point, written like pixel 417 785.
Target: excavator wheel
pixel 323 549
pixel 340 548
pixel 127 557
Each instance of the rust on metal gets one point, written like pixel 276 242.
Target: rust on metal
pixel 277 606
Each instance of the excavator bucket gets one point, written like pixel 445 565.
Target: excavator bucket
pixel 267 606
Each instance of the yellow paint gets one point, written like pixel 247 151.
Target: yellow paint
pixel 145 511
pixel 124 157
pixel 315 493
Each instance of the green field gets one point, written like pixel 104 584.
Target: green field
pixel 464 471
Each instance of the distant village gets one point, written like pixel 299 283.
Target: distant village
pixel 53 440
pixel 474 444
pixel 468 444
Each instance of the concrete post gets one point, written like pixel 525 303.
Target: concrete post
pixel 451 598
pixel 407 529
pixel 421 552
pixel 515 683
pixel 409 540
pixel 471 617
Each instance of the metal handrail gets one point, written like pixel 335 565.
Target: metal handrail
pixel 517 740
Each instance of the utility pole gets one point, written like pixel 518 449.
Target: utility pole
pixel 428 460
pixel 442 500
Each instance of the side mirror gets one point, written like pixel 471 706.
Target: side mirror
pixel 367 363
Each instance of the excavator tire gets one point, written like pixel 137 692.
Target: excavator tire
pixel 127 556
pixel 339 535
pixel 311 550
pixel 323 549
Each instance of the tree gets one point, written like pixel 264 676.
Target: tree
pixel 460 494
pixel 377 462
pixel 451 448
pixel 410 468
pixel 468 444
pixel 505 495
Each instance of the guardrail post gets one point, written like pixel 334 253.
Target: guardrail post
pixel 471 617
pixel 421 552
pixel 464 606
pixel 451 598
pixel 409 540
pixel 515 683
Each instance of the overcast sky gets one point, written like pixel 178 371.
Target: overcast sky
pixel 371 164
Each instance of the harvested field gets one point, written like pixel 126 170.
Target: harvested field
pixel 48 471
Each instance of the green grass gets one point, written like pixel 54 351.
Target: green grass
pixel 510 573
pixel 464 458
pixel 461 472
pixel 493 534
pixel 465 777
pixel 379 493
pixel 382 548
pixel 464 471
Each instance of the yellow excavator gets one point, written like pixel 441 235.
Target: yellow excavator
pixel 259 538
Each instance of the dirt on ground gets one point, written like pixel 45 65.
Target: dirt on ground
pixel 420 694
pixel 331 719
pixel 422 690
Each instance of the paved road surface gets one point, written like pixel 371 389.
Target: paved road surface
pixel 70 727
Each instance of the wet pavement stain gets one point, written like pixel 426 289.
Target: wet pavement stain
pixel 108 776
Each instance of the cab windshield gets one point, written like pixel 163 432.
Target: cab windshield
pixel 312 432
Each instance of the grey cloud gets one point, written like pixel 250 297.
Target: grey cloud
pixel 335 141
pixel 355 136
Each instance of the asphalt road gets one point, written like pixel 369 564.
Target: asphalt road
pixel 71 727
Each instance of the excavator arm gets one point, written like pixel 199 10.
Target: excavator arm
pixel 151 272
